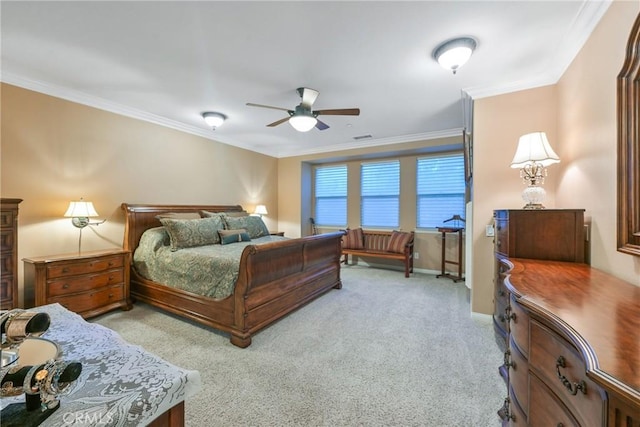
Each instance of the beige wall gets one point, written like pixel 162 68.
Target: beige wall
pixel 588 131
pixel 579 116
pixel 54 151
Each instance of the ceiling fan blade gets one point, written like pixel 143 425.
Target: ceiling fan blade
pixel 321 125
pixel 338 112
pixel 251 104
pixel 308 96
pixel 278 122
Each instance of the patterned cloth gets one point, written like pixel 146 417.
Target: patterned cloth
pixel 210 270
pixel 120 384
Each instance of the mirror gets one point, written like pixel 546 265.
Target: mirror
pixel 628 219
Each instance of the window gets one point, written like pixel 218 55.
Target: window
pixel 440 188
pixel 331 195
pixel 380 194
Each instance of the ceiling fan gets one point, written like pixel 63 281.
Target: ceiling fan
pixel 303 118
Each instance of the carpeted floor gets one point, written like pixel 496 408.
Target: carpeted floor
pixel 382 351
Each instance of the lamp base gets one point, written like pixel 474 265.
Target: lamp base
pixel 534 196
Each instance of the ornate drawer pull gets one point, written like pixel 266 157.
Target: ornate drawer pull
pixel 504 413
pixel 507 315
pixel 573 388
pixel 65 286
pixel 507 362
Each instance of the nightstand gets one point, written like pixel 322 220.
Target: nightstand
pixel 277 233
pixel 90 283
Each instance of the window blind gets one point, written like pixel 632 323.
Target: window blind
pixel 331 195
pixel 380 194
pixel 440 189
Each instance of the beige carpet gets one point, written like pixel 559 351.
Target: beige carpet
pixel 382 351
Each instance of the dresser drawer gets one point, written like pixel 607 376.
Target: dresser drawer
pixel 7 240
pixel 518 418
pixel 502 236
pixel 545 410
pixel 519 326
pixel 560 366
pixel 7 264
pixel 6 288
pixel 90 300
pixel 519 376
pixel 8 218
pixel 83 267
pixel 73 284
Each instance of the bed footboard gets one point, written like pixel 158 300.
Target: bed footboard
pixel 277 278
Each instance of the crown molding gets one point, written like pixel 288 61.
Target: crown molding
pixel 578 32
pixel 368 143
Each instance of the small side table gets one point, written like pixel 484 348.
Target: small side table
pixel 444 231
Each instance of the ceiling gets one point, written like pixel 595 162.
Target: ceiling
pixel 167 62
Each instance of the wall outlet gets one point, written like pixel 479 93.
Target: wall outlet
pixel 489 231
pixel 416 255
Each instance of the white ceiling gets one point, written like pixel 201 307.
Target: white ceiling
pixel 169 61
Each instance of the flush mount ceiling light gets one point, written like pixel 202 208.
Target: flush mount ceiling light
pixel 454 53
pixel 214 119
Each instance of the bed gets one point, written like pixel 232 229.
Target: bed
pixel 273 279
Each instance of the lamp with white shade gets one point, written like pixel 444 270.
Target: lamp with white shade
pixel 533 155
pixel 80 211
pixel 260 210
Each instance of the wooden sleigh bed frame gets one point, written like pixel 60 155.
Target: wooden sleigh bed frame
pixel 275 278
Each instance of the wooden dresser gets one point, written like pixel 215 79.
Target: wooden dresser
pixel 573 356
pixel 9 251
pixel 551 234
pixel 89 284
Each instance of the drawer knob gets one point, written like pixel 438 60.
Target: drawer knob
pixel 65 286
pixel 65 270
pixel 572 387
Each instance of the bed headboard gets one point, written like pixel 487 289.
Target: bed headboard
pixel 139 218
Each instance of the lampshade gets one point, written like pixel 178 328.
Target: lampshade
pixel 81 209
pixel 453 54
pixel 214 119
pixel 534 147
pixel 260 210
pixel 303 123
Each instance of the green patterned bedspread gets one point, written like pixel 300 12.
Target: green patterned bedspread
pixel 210 270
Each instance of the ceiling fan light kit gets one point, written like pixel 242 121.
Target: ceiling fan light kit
pixel 303 118
pixel 303 123
pixel 214 119
pixel 454 53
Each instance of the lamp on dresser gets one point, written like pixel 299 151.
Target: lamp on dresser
pixel 80 211
pixel 533 155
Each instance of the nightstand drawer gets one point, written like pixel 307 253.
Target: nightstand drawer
pixel 73 284
pixel 83 267
pixel 90 300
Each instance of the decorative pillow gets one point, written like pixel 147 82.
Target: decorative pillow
pixel 253 224
pixel 179 215
pixel 233 236
pixel 354 239
pixel 234 214
pixel 398 240
pixel 186 233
